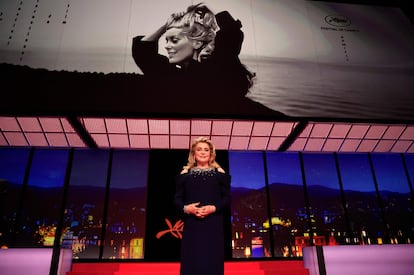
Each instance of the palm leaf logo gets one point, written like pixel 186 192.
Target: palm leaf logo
pixel 175 229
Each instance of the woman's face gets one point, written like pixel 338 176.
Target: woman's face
pixel 202 154
pixel 179 47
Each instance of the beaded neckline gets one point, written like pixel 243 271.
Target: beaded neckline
pixel 197 169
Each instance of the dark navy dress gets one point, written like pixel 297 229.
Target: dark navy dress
pixel 202 247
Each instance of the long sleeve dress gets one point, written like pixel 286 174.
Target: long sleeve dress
pixel 202 246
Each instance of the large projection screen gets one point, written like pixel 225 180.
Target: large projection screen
pixel 312 59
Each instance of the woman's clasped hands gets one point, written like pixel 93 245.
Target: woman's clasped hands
pixel 199 211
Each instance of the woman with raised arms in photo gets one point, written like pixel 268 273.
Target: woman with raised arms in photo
pixel 202 59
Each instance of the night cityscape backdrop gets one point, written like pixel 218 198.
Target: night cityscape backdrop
pixel 272 215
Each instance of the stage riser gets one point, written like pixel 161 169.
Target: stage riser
pixel 231 268
pixel 255 272
pixel 250 272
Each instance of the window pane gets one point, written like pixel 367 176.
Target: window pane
pixel 85 202
pixel 127 206
pixel 362 203
pixel 43 198
pixel 409 160
pixel 250 221
pixel 325 203
pixel 287 202
pixel 13 163
pixel 395 196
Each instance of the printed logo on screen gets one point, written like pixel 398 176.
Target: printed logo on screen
pixel 337 20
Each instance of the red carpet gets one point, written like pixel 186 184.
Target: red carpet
pixel 231 268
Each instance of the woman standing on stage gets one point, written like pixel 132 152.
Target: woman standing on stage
pixel 202 193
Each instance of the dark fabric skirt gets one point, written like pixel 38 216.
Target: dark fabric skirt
pixel 202 247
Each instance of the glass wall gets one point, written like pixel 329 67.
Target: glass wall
pixel 364 214
pixel 42 199
pixel 287 201
pixel 125 231
pixel 13 166
pixel 327 215
pixel 84 209
pixel 250 222
pixel 395 198
pixel 408 161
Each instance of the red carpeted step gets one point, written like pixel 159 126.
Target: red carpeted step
pixel 266 268
pixel 267 272
pixel 162 268
pixel 227 272
pixel 96 267
pixel 277 264
pixel 148 273
pixel 149 267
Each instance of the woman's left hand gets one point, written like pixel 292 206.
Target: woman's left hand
pixel 205 211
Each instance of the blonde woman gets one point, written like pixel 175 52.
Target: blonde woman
pixel 186 34
pixel 202 193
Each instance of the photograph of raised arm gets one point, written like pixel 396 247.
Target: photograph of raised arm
pixel 186 33
pixel 202 58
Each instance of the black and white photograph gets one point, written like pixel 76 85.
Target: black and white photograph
pixel 269 58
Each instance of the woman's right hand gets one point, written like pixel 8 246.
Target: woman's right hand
pixel 173 17
pixel 177 15
pixel 155 36
pixel 192 208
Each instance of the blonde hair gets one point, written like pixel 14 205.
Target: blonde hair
pixel 197 23
pixel 191 159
